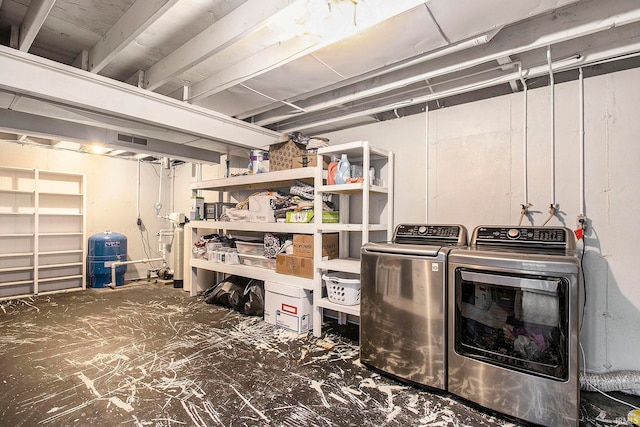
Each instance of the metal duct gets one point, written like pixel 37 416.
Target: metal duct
pixel 625 381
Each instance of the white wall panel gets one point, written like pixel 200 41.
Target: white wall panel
pixel 407 139
pixel 475 177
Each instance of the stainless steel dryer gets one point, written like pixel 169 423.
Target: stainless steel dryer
pixel 403 303
pixel 513 323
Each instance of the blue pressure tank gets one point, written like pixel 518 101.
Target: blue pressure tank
pixel 105 248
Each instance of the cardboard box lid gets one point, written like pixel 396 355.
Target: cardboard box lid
pixel 288 290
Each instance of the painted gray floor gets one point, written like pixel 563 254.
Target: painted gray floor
pixel 150 355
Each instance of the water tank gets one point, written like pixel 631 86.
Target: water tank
pixel 105 248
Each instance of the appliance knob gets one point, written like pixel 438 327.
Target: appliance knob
pixel 513 233
pixel 422 229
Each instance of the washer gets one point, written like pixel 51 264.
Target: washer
pixel 514 323
pixel 403 303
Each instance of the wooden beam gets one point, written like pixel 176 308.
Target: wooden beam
pixel 136 19
pixel 245 19
pixel 33 21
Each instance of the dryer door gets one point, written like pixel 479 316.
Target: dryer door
pixel 402 316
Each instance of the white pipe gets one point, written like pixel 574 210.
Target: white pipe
pixel 581 107
pixel 158 205
pixel 526 205
pixel 583 26
pixel 119 263
pixel 426 170
pixel 199 176
pixel 553 127
pixel 161 247
pixel 138 191
pixel 447 50
pixel 531 72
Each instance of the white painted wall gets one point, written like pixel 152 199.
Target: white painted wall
pixel 112 197
pixel 475 177
pixel 406 138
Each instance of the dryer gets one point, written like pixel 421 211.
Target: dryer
pixel 403 303
pixel 514 311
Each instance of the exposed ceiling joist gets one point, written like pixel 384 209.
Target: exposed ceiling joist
pixel 530 35
pixel 241 22
pixel 134 22
pixel 312 27
pixel 32 22
pixel 597 53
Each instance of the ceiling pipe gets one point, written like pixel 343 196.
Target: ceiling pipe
pixel 531 72
pixel 585 25
pixel 448 50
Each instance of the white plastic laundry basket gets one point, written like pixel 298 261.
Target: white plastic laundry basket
pixel 343 288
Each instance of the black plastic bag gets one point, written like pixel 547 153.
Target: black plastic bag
pixel 239 293
pixel 254 298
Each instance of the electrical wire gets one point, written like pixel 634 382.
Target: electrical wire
pixel 584 373
pixel 584 360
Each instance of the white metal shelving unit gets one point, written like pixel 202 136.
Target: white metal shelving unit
pixel 197 279
pixel 199 271
pixel 42 229
pixel 372 216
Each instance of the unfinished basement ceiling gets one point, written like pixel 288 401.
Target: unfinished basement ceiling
pixel 268 67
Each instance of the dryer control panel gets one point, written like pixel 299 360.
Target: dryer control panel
pixel 428 234
pixel 556 237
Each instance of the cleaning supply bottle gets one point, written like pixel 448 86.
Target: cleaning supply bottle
pixel 332 168
pixel 343 172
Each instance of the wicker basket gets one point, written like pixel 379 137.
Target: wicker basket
pixel 343 288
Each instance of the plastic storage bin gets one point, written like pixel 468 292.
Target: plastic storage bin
pixel 258 261
pixel 343 288
pixel 250 248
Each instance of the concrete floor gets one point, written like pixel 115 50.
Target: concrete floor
pixel 149 355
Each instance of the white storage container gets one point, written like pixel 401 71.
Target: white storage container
pixel 250 248
pixel 258 261
pixel 343 288
pixel 288 306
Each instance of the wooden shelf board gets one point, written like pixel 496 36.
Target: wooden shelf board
pixel 254 273
pixel 348 309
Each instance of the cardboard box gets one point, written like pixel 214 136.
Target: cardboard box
pixel 301 216
pixel 281 154
pixel 308 161
pixel 294 265
pixel 288 306
pixel 303 245
pixel 307 216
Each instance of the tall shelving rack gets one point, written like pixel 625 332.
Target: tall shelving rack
pixel 42 232
pixel 354 228
pixel 358 202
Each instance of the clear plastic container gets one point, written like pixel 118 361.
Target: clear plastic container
pixel 258 261
pixel 250 248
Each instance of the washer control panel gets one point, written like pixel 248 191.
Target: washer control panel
pixel 524 236
pixel 427 234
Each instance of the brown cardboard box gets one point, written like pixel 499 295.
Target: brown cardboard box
pixel 308 161
pixel 294 265
pixel 303 245
pixel 281 155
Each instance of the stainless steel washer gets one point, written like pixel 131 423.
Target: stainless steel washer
pixel 403 303
pixel 513 323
